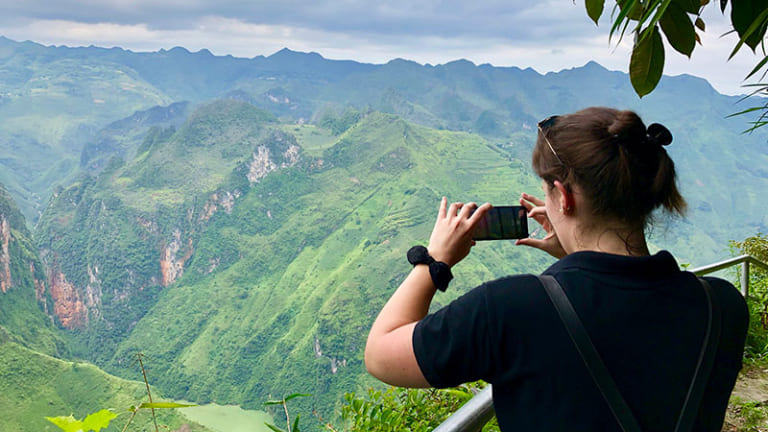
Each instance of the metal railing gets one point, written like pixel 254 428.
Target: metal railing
pixel 473 415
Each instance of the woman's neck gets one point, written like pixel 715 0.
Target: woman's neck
pixel 617 241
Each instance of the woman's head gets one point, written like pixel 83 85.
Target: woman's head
pixel 619 166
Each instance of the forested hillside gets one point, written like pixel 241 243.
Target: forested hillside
pixel 274 239
pixel 34 386
pixel 242 220
pixel 33 382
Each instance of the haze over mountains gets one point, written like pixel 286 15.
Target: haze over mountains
pixel 242 220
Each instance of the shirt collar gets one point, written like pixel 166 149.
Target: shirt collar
pixel 662 264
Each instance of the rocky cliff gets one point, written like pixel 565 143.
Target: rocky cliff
pixel 25 300
pixel 5 255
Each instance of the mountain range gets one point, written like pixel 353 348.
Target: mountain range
pixel 241 221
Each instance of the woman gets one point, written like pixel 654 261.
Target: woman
pixel 603 173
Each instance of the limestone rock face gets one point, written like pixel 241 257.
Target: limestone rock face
pixel 171 264
pixel 68 306
pixel 5 256
pixel 25 299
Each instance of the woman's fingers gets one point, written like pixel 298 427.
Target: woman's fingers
pixel 532 199
pixel 532 242
pixel 454 209
pixel 451 237
pixel 528 206
pixel 549 244
pixel 537 211
pixel 466 209
pixel 480 212
pixel 443 211
pixel 539 214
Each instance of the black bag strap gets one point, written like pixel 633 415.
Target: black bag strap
pixel 704 366
pixel 602 377
pixel 589 354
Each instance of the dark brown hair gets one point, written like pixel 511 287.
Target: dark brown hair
pixel 619 165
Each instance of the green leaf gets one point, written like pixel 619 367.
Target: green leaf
pixel 758 67
pixel 647 62
pixel 295 395
pixel 700 24
pixel 67 424
pixel 748 18
pixel 357 405
pixel 761 20
pixel 458 394
pixel 98 420
pixel 595 9
pixel 165 405
pixel 296 424
pixel 746 111
pixel 626 7
pixel 690 6
pixel 274 402
pixel 635 11
pixel 274 428
pixel 93 422
pixel 755 126
pixel 660 7
pixel 678 29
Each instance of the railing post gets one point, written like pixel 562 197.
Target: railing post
pixel 472 415
pixel 745 278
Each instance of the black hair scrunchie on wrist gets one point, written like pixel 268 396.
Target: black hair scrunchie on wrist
pixel 438 270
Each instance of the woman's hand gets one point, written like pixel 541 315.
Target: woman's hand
pixel 538 212
pixel 451 238
pixel 389 354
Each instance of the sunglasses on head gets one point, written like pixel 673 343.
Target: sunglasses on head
pixel 543 126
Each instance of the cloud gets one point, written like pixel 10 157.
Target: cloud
pixel 450 18
pixel 548 35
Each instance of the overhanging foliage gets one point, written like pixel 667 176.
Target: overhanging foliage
pixel 680 22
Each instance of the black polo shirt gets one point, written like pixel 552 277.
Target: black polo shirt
pixel 645 317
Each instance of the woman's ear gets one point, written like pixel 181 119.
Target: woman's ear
pixel 566 198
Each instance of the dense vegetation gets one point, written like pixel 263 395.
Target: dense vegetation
pixel 244 240
pixel 757 300
pixel 34 386
pixel 417 410
pixel 286 278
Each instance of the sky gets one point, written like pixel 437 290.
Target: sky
pixel 547 35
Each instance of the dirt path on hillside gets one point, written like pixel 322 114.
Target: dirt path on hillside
pixel 752 386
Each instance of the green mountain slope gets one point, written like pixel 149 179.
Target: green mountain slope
pixel 283 234
pixel 34 386
pixel 134 225
pixel 55 100
pixel 121 139
pixel 49 104
pixel 33 383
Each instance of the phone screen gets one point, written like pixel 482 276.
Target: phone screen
pixel 501 223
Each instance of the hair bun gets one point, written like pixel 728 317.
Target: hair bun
pixel 659 135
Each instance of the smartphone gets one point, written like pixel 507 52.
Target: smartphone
pixel 502 223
